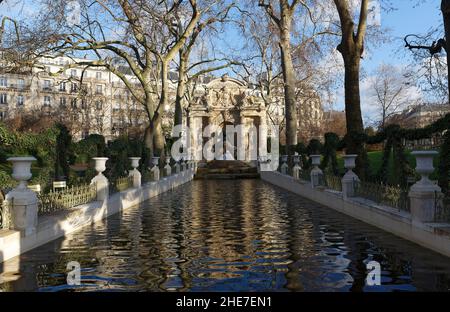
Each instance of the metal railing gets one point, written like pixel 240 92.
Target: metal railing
pixel 389 195
pixel 441 208
pixel 305 175
pixel 67 198
pixel 332 181
pixel 121 184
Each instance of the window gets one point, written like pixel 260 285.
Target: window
pixel 20 100
pixel 62 86
pixel 73 73
pixel 98 75
pixel 62 102
pixel 73 87
pixel 83 104
pixel 73 103
pixel 99 89
pixel 2 115
pixel 47 84
pixel 3 98
pixel 46 100
pixel 20 83
pixel 3 82
pixel 99 105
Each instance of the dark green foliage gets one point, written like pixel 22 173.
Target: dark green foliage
pixel 329 161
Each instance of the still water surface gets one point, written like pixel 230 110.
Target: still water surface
pixel 228 236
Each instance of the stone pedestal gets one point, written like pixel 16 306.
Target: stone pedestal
pixel 296 170
pixel 22 202
pixel 167 168
pixel 424 195
pixel 350 178
pixel 316 172
pixel 100 181
pixel 155 169
pixel 135 173
pixel 284 166
pixel 177 167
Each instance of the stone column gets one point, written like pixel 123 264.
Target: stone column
pixel 101 182
pixel 297 169
pixel 167 168
pixel 284 166
pixel 155 169
pixel 350 178
pixel 424 195
pixel 135 173
pixel 22 202
pixel 316 172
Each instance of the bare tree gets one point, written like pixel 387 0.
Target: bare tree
pixel 283 21
pixel 136 34
pixel 391 91
pixel 435 66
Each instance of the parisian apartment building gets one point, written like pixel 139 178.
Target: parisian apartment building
pixel 95 101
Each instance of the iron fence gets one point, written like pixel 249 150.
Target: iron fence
pixel 441 208
pixel 389 195
pixel 332 181
pixel 121 184
pixel 305 175
pixel 66 198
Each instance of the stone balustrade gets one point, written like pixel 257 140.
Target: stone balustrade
pixel 424 196
pixel 23 201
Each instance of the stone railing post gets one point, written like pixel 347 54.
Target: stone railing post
pixel 424 194
pixel 350 178
pixel 155 169
pixel 22 202
pixel 101 182
pixel 284 166
pixel 167 168
pixel 296 170
pixel 177 167
pixel 183 165
pixel 316 172
pixel 135 172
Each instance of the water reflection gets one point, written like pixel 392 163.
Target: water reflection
pixel 229 235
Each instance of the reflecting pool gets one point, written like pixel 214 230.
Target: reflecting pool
pixel 230 235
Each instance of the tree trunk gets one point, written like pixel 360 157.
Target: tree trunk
pixel 445 8
pixel 181 89
pixel 353 111
pixel 289 80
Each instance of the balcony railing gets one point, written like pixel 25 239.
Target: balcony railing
pixel 121 184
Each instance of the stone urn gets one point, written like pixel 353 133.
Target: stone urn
pixel 135 174
pixel 284 158
pixel 24 202
pixel 315 160
pixel 424 165
pixel 135 162
pixel 100 181
pixel 100 164
pixel 350 178
pixel 297 169
pixel 350 161
pixel 296 159
pixel 316 172
pixel 21 170
pixel 155 161
pixel 424 195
